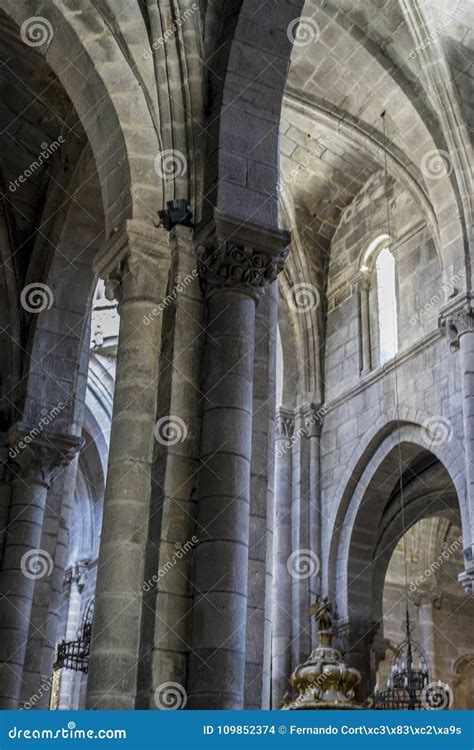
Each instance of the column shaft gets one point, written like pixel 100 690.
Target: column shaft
pixel 238 263
pixel 166 622
pixel 40 651
pixel 267 657
pixel 282 579
pixel 259 479
pixel 136 266
pixel 24 561
pixel 365 326
pixel 466 351
pixel 217 660
pixel 69 677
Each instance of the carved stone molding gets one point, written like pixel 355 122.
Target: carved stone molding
pixel 77 574
pixel 37 459
pixel 131 254
pixel 457 318
pixel 466 579
pixel 312 416
pixel 285 424
pixel 245 257
pixel 363 282
pixel 238 267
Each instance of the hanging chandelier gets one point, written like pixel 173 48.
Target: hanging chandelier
pixel 408 678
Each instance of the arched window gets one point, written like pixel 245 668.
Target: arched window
pixel 378 273
pixel 387 305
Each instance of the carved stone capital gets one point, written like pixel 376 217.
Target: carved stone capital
pixel 36 459
pixel 427 597
pixel 457 318
pixel 130 261
pixel 466 579
pixel 285 424
pixel 247 258
pixel 311 416
pixel 76 574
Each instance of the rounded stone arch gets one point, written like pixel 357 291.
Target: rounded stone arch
pixel 463 681
pixel 432 503
pixel 300 310
pixel 108 101
pixel 361 501
pixel 54 385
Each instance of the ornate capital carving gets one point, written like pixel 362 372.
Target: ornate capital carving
pixel 77 574
pixel 36 460
pixel 466 579
pixel 457 318
pixel 285 424
pixel 311 416
pixel 241 256
pixel 231 265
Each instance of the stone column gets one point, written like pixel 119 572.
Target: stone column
pixel 259 480
pixel 36 460
pixel 74 580
pixel 238 263
pixel 135 264
pixel 272 388
pixel 40 650
pixel 457 319
pixel 426 601
pixel 282 566
pixel 4 490
pixel 364 289
pixel 166 620
pixel 313 415
pixel 363 651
